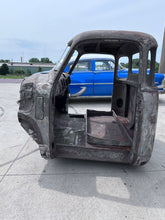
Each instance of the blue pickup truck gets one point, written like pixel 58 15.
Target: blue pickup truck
pixel 94 77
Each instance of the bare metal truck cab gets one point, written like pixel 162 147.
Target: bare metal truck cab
pixel 125 134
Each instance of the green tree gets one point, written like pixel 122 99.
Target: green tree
pixel 34 60
pixel 45 60
pixel 135 64
pixel 4 61
pixel 39 69
pixel 4 70
pixel 19 72
pixel 156 67
pixel 124 65
pixel 11 72
pixel 28 72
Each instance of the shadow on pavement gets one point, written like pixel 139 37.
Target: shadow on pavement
pixel 137 186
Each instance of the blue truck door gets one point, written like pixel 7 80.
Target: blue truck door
pixel 82 79
pixel 103 77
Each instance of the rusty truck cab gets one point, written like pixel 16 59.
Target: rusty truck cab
pixel 124 134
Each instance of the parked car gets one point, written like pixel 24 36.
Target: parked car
pixel 93 76
pixel 123 135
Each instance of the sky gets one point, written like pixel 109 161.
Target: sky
pixel 42 28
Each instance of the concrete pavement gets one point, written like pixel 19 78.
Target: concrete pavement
pixel 34 188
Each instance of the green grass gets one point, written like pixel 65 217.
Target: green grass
pixel 12 77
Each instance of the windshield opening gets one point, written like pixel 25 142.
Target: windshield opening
pixel 57 66
pixel 73 58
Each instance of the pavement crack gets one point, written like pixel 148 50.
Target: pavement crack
pixel 13 146
pixel 18 158
pixel 14 160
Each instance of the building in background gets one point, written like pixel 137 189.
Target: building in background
pixel 29 68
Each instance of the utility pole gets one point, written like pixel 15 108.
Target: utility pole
pixel 162 60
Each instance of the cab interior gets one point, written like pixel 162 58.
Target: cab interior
pixel 113 129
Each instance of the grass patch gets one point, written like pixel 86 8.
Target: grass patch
pixel 12 76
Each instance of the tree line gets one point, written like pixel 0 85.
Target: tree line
pixel 135 64
pixel 32 60
pixel 4 69
pixel 42 60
